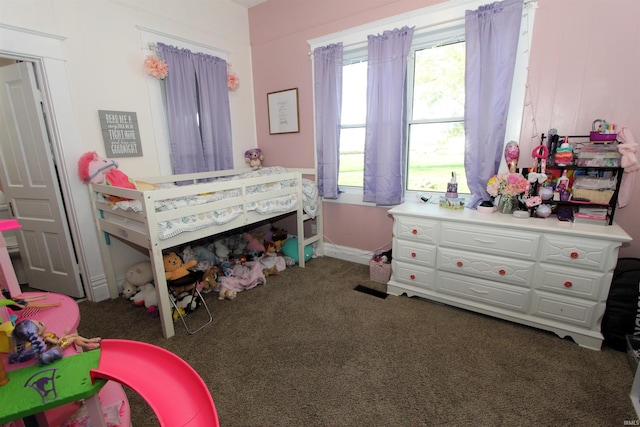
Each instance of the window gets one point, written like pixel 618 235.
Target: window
pixel 435 95
pixel 352 126
pixel 435 103
pixel 435 146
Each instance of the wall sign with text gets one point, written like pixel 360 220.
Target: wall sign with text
pixel 283 111
pixel 120 133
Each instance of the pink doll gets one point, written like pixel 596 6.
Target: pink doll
pixel 97 170
pixel 511 155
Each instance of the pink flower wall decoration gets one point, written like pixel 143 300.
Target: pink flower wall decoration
pixel 233 82
pixel 156 67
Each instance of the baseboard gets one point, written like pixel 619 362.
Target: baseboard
pixel 345 253
pixel 98 289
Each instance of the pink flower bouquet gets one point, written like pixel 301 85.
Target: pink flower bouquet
pixel 156 67
pixel 233 82
pixel 509 183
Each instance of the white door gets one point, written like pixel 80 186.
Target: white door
pixel 30 183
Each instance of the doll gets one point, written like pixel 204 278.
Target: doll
pixel 46 346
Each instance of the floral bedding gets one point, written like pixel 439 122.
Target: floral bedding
pixel 167 229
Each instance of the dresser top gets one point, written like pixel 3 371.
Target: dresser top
pixel 542 225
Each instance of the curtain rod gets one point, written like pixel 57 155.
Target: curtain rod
pixel 183 40
pixel 527 4
pixel 154 48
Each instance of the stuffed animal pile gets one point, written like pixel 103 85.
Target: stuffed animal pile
pixel 138 287
pixel 227 265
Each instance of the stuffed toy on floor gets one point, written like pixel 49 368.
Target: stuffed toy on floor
pixel 147 297
pixel 137 276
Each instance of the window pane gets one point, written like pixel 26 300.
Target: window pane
pixel 354 94
pixel 436 150
pixel 351 171
pixel 439 82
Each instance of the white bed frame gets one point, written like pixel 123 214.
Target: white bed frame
pixel 118 223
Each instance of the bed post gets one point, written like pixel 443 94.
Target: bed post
pixel 105 250
pixel 162 291
pixel 157 263
pixel 300 222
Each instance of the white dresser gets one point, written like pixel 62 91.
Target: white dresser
pixel 539 272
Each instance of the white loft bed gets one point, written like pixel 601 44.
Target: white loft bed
pixel 232 199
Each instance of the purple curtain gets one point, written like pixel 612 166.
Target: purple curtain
pixel 386 121
pixel 198 113
pixel 327 68
pixel 491 35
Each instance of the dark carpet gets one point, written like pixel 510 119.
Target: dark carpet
pixel 308 349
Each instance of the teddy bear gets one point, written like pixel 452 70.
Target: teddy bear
pixel 254 157
pixel 137 276
pixel 175 268
pixel 209 279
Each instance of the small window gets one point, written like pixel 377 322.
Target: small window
pixel 352 126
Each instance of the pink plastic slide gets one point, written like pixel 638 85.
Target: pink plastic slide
pixel 173 389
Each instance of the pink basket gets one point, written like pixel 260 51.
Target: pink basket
pixel 379 271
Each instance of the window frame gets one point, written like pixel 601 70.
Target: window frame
pixel 444 19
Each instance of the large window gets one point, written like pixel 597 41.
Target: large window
pixel 434 99
pixel 435 111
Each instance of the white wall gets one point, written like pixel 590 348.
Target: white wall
pixel 104 53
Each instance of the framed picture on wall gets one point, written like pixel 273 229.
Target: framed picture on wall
pixel 283 111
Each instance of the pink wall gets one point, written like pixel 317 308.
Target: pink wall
pixel 584 65
pixel 583 56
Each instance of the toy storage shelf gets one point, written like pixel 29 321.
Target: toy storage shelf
pixel 616 172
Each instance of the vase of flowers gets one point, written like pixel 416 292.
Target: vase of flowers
pixel 507 204
pixel 509 186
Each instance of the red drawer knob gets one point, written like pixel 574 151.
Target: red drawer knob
pixel 502 272
pixel 413 254
pixel 413 277
pixel 568 284
pixel 414 231
pixel 459 264
pixel 574 255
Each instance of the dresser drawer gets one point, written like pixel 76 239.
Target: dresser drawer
pixel 577 252
pixel 415 229
pixel 490 240
pixel 469 288
pixel 564 310
pixel 511 271
pixel 418 253
pixel 572 282
pixel 413 274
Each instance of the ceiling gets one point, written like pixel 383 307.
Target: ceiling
pixel 248 3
